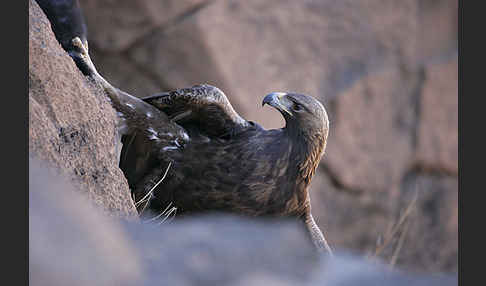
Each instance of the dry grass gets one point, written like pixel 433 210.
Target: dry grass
pixel 396 234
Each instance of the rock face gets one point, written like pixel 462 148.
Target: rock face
pixel 385 70
pixel 71 124
pixel 437 134
pixel 72 243
pixel 126 22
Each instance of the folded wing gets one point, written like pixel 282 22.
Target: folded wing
pixel 203 108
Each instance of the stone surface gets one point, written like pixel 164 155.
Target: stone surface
pixel 438 131
pixel 351 221
pixel 115 25
pixel 313 47
pixel 362 222
pixel 71 123
pixel 432 238
pixel 371 139
pixel 120 71
pixel 179 57
pixel 438 37
pixel 72 243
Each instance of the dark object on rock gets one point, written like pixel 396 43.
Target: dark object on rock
pixel 189 149
pixel 67 22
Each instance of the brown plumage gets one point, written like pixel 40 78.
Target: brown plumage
pixel 218 160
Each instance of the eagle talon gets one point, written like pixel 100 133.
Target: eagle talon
pixel 79 44
pixel 81 57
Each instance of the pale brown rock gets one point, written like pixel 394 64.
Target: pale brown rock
pixel 72 243
pixel 439 24
pixel 362 222
pixel 121 72
pixel 257 47
pixel 371 140
pixel 432 238
pixel 179 57
pixel 351 221
pixel 115 25
pixel 71 123
pixel 438 132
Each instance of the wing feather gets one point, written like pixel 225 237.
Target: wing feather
pixel 204 107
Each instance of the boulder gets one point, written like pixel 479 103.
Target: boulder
pixel 253 48
pixel 72 243
pixel 71 124
pixel 438 130
pixel 371 137
pixel 362 222
pixel 71 240
pixel 116 25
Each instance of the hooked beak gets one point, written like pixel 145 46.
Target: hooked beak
pixel 277 100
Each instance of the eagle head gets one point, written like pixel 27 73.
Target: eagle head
pixel 303 114
pixel 307 125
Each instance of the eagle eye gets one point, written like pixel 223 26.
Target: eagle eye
pixel 297 107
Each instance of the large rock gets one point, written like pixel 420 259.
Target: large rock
pixel 439 24
pixel 362 221
pixel 72 243
pixel 432 239
pixel 438 130
pixel 350 220
pixel 115 25
pixel 371 139
pixel 120 71
pixel 316 47
pixel 179 57
pixel 71 124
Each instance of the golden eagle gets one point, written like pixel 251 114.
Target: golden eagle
pixel 189 148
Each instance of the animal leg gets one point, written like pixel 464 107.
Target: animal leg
pixel 134 112
pixel 316 234
pixel 121 101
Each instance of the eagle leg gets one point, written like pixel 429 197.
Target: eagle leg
pixel 316 234
pixel 156 132
pixel 138 114
pixel 83 55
